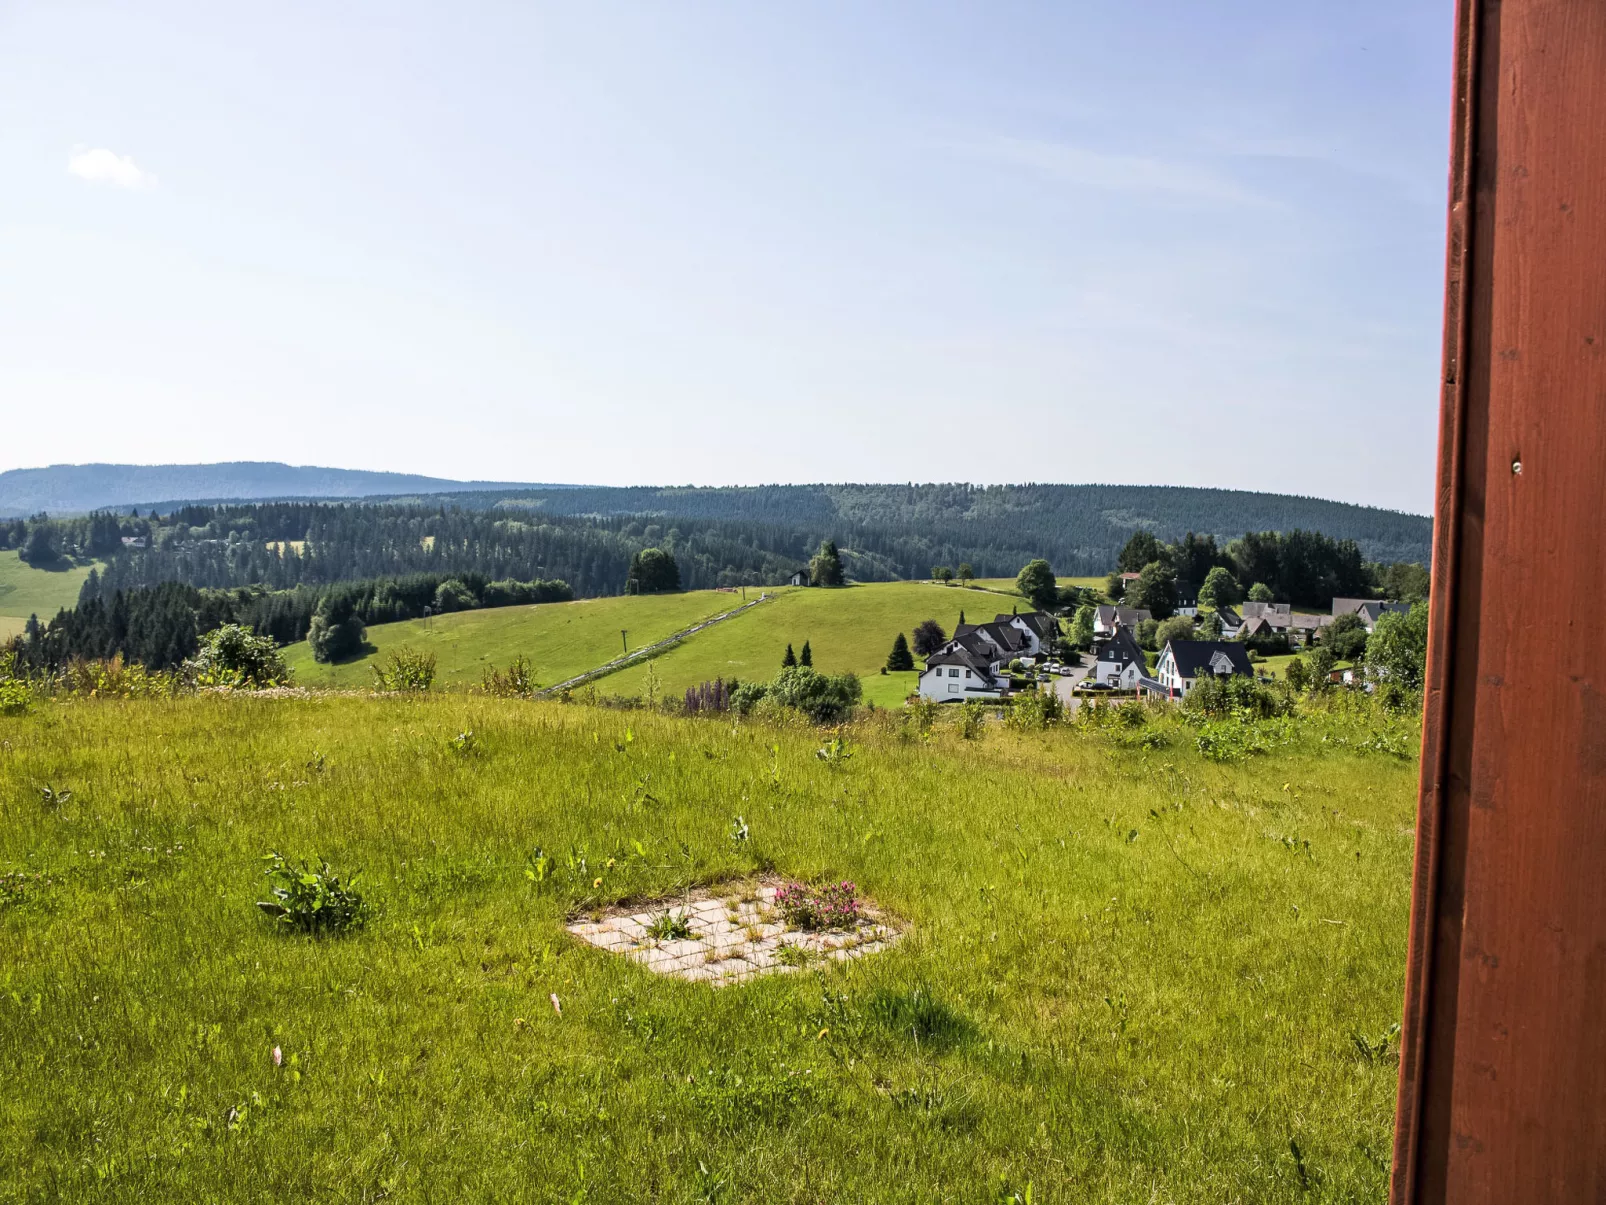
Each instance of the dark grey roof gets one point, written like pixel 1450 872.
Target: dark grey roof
pixel 1045 625
pixel 1229 616
pixel 1121 649
pixel 961 656
pixel 1194 656
pixel 1278 613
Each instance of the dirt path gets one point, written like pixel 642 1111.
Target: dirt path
pixel 635 655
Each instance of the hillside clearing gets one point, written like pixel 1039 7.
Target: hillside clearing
pixel 26 591
pixel 559 639
pixel 849 630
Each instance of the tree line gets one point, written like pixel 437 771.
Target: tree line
pixel 161 626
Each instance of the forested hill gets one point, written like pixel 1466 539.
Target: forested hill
pixel 1078 528
pixel 77 488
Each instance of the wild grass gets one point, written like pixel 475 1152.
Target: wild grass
pixel 1132 974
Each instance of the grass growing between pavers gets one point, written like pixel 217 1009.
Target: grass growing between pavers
pixel 1130 974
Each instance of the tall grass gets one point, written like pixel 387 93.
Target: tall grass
pixel 1132 974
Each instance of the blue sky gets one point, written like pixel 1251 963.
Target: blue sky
pixel 667 243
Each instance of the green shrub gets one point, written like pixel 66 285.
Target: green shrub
pixel 453 595
pixel 312 900
pixel 1034 710
pixel 824 698
pixel 236 657
pixel 515 682
pixel 406 669
pixel 1236 695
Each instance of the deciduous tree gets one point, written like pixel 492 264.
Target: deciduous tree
pixel 1036 582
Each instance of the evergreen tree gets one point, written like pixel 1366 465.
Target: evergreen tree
pixel 807 655
pixel 961 619
pixel 1140 549
pixel 900 658
pixel 790 659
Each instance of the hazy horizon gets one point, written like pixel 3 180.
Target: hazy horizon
pixel 714 245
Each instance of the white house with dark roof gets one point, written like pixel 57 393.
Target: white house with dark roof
pixel 1118 662
pixel 973 663
pixel 1369 609
pixel 1107 618
pixel 1232 623
pixel 1183 662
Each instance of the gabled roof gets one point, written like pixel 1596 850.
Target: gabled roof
pixel 961 656
pixel 1219 657
pixel 1230 617
pixel 1310 623
pixel 1278 613
pixel 1045 625
pixel 1006 636
pixel 1121 649
pixel 1256 625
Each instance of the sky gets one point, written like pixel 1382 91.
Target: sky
pixel 671 243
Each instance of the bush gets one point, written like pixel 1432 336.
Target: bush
pixel 1034 710
pixel 405 670
pixel 824 698
pixel 831 906
pixel 15 694
pixel 748 696
pixel 236 657
pixel 1238 696
pixel 515 682
pixel 312 900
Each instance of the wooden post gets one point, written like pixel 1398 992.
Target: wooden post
pixel 1503 1058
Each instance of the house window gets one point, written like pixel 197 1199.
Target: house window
pixel 953 673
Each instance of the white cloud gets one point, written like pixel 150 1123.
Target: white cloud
pixel 100 166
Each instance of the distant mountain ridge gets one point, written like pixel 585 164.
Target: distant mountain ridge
pixel 911 527
pixel 75 488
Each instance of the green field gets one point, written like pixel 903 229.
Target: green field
pixel 850 630
pixel 559 639
pixel 26 591
pixel 1132 975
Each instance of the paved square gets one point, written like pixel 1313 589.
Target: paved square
pixel 736 933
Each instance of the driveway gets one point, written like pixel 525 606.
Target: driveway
pixel 1066 686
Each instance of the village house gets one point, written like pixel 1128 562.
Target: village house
pixel 1304 628
pixel 800 578
pixel 1183 662
pixel 1369 609
pixel 1232 623
pixel 1278 617
pixel 1187 600
pixel 1118 662
pixel 1107 618
pixel 974 663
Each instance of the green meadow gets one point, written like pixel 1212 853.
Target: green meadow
pixel 849 630
pixel 560 640
pixel 1131 974
pixel 26 591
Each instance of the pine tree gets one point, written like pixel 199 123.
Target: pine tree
pixel 790 659
pixel 900 658
pixel 807 657
pixel 961 617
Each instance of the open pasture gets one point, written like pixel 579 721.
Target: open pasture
pixel 559 639
pixel 1129 974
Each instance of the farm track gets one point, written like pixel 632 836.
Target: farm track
pixel 652 650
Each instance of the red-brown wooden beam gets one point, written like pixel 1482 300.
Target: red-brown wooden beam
pixel 1503 1059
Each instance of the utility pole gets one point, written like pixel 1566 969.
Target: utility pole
pixel 624 633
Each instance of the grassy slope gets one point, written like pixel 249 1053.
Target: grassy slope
pixel 1121 984
pixel 849 629
pixel 560 639
pixel 26 591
